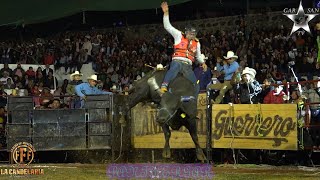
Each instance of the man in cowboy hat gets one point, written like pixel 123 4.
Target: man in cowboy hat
pixel 248 89
pixel 229 67
pixel 186 51
pixel 75 80
pixel 89 88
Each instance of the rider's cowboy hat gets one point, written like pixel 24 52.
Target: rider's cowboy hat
pixel 249 71
pixel 93 77
pixel 231 55
pixel 74 74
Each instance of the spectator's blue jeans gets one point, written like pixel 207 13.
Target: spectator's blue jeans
pixel 75 103
pixel 185 69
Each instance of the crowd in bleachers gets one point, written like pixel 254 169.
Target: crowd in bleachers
pixel 119 59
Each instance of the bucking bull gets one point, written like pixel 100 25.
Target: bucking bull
pixel 177 107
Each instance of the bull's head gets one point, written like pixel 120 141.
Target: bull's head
pixel 139 92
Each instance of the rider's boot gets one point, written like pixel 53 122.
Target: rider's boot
pixel 163 89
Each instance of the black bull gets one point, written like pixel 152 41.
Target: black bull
pixel 171 106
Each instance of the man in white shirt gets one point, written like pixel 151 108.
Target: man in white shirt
pixel 5 78
pixel 87 45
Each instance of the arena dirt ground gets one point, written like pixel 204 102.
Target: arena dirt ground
pixel 223 172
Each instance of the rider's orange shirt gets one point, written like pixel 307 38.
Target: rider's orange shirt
pixel 186 49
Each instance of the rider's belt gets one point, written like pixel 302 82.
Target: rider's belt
pixel 185 62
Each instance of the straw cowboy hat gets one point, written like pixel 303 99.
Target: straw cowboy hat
pixel 74 74
pixel 249 71
pixel 230 55
pixel 93 77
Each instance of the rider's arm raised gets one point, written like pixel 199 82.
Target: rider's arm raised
pixel 167 25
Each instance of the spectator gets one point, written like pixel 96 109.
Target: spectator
pixel 107 84
pixel 39 78
pixel 9 84
pixel 204 77
pixel 62 62
pixel 48 59
pixel 16 79
pixel 31 73
pixel 71 91
pixel 266 88
pixel 248 89
pixel 276 96
pixel 50 81
pixel 89 88
pixel 3 99
pixel 115 77
pixel 19 71
pixel 58 93
pixel 5 77
pixel 7 69
pixel 87 45
pixel 56 104
pixel 45 96
pixel 39 70
pixel 64 86
pixel 114 89
pixel 313 94
pixel 46 71
pixel 125 90
pixel 230 66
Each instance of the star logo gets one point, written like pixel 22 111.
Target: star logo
pixel 300 19
pixel 155 173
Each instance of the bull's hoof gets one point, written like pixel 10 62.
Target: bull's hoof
pixel 200 155
pixel 166 153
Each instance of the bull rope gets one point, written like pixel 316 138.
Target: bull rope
pixel 301 125
pixel 259 118
pixel 231 113
pixel 121 139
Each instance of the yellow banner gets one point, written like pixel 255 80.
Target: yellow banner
pixel 241 126
pixel 253 126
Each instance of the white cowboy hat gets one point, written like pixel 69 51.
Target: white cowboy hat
pixel 93 77
pixel 250 71
pixel 231 54
pixel 159 67
pixel 88 37
pixel 74 74
pixel 99 36
pixel 114 87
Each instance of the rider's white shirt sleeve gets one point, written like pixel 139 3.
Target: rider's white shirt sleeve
pixel 173 31
pixel 198 54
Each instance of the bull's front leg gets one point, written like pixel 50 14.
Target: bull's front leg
pixel 166 153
